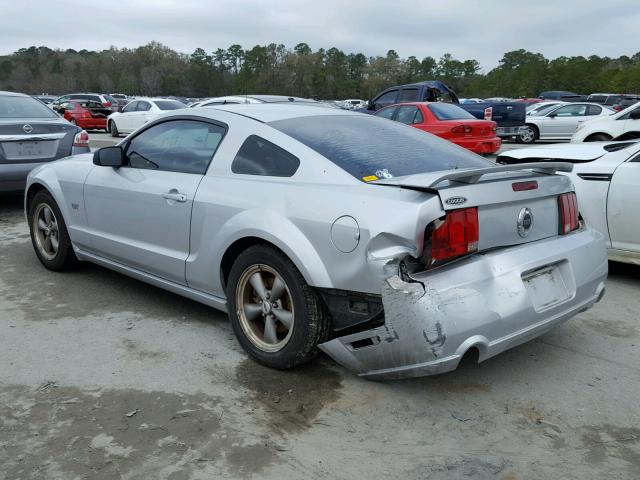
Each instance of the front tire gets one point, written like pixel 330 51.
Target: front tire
pixel 113 129
pixel 49 235
pixel 528 134
pixel 277 317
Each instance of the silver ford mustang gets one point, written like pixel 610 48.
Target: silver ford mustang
pixel 393 251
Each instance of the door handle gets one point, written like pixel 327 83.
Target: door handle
pixel 174 195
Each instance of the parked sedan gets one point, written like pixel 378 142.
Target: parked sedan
pixel 622 125
pixel 447 121
pixel 86 114
pixel 139 112
pixel 561 122
pixel 32 134
pixel 395 252
pixel 607 181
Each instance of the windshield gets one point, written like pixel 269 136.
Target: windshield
pixel 369 147
pixel 449 111
pixel 24 107
pixel 169 104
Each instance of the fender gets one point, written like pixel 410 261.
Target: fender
pixel 267 225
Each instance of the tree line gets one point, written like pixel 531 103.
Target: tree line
pixel 155 69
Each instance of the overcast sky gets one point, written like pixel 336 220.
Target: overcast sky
pixel 480 29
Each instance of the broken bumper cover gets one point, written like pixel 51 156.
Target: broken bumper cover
pixel 491 301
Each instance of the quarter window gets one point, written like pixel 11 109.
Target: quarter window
pixel 594 110
pixel 185 146
pixel 258 156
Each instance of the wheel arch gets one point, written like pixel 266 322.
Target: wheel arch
pixel 590 137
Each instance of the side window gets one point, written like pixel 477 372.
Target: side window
pixel 594 110
pixel 408 95
pixel 386 112
pixel 185 146
pixel 385 99
pixel 143 106
pixel 571 111
pixel 131 107
pixel 407 114
pixel 258 156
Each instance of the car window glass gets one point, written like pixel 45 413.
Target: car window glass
pixel 131 107
pixel 408 95
pixel 449 111
pixel 185 146
pixel 143 107
pixel 24 107
pixel 169 104
pixel 419 118
pixel 367 146
pixel 594 110
pixel 406 114
pixel 571 111
pixel 385 99
pixel 386 112
pixel 258 156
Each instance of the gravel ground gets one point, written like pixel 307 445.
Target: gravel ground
pixel 103 377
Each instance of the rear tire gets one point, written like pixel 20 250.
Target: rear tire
pixel 277 317
pixel 528 134
pixel 49 235
pixel 113 129
pixel 598 137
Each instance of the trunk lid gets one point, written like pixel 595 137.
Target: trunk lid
pixel 501 195
pixel 25 141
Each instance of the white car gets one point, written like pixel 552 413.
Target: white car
pixel 606 176
pixel 623 125
pixel 559 123
pixel 139 112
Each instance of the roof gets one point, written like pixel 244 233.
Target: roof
pixel 271 112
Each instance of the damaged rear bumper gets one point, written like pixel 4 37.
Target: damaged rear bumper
pixel 492 301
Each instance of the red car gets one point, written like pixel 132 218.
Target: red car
pixel 448 121
pixel 86 114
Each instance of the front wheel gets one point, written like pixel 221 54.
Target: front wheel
pixel 49 234
pixel 276 316
pixel 528 134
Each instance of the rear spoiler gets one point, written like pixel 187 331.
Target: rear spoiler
pixel 472 176
pixel 428 182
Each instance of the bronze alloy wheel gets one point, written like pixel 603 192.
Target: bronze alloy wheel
pixel 46 233
pixel 265 308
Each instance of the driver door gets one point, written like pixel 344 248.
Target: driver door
pixel 563 122
pixel 622 206
pixel 139 215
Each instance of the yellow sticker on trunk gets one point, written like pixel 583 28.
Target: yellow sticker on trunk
pixel 370 178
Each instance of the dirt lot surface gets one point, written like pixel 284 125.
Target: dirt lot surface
pixel 103 377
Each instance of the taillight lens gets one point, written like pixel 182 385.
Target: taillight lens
pixel 106 104
pixel 81 139
pixel 488 113
pixel 568 213
pixel 456 236
pixel 461 129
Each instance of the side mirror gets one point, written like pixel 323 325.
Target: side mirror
pixel 371 105
pixel 109 157
pixel 635 114
pixel 552 115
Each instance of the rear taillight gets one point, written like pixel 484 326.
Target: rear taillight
pixel 569 219
pixel 524 186
pixel 488 113
pixel 457 235
pixel 81 139
pixel 461 129
pixel 106 104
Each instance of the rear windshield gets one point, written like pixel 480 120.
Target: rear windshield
pixel 169 104
pixel 367 146
pixel 24 107
pixel 449 111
